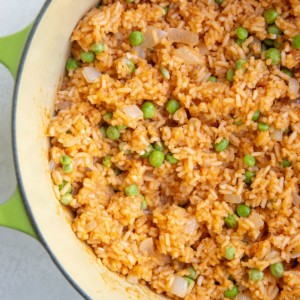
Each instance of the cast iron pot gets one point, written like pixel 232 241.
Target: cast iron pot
pixel 33 208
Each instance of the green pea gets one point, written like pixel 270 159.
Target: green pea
pixel 148 109
pixel 188 280
pixel 248 176
pixel 103 131
pixel 172 106
pixel 230 75
pixel 249 160
pixel 123 146
pixel 287 130
pixel 165 73
pixel 240 42
pixel 263 126
pixel 221 146
pixel 231 293
pixel 256 115
pixel 72 64
pixel 238 122
pixel 107 116
pixel 130 65
pixel 171 159
pixel 274 55
pixel 67 168
pixel 273 29
pixel 121 127
pixel 270 15
pixel 277 270
pixel 239 64
pixel 296 42
pixel 147 151
pixel 87 57
pixel 256 275
pixel 242 33
pixel 213 79
pixel 192 273
pixel 285 163
pixel 159 146
pixel 231 221
pixel 268 42
pixel 219 1
pixel 144 203
pixel 112 133
pixel 136 38
pixel 287 71
pixel 61 186
pixel 230 253
pixel 107 161
pixel 263 48
pixel 166 9
pixel 131 190
pixel 156 158
pixel 243 210
pixel 117 172
pixel 277 45
pixel 66 199
pixel 65 160
pixel 97 48
pixel 129 1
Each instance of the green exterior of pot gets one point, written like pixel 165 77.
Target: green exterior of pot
pixel 13 213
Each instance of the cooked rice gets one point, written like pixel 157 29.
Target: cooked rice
pixel 187 202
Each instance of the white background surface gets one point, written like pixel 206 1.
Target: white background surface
pixel 26 270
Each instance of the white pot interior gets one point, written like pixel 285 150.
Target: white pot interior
pixel 39 80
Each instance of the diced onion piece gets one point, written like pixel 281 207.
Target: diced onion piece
pixel 191 226
pixel 161 33
pixel 179 287
pixel 295 198
pixel 200 280
pixel 52 165
pixel 132 111
pixel 242 297
pixel 147 246
pixel 132 279
pixel 276 135
pixel 119 36
pixel 272 254
pixel 90 74
pixel 153 36
pixel 231 198
pixel 61 105
pixel 293 87
pixel 182 36
pixel 141 53
pixel 256 219
pixel 203 49
pixel 188 56
pixel 166 259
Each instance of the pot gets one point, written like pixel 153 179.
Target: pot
pixel 34 208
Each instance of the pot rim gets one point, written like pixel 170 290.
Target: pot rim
pixel 15 150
